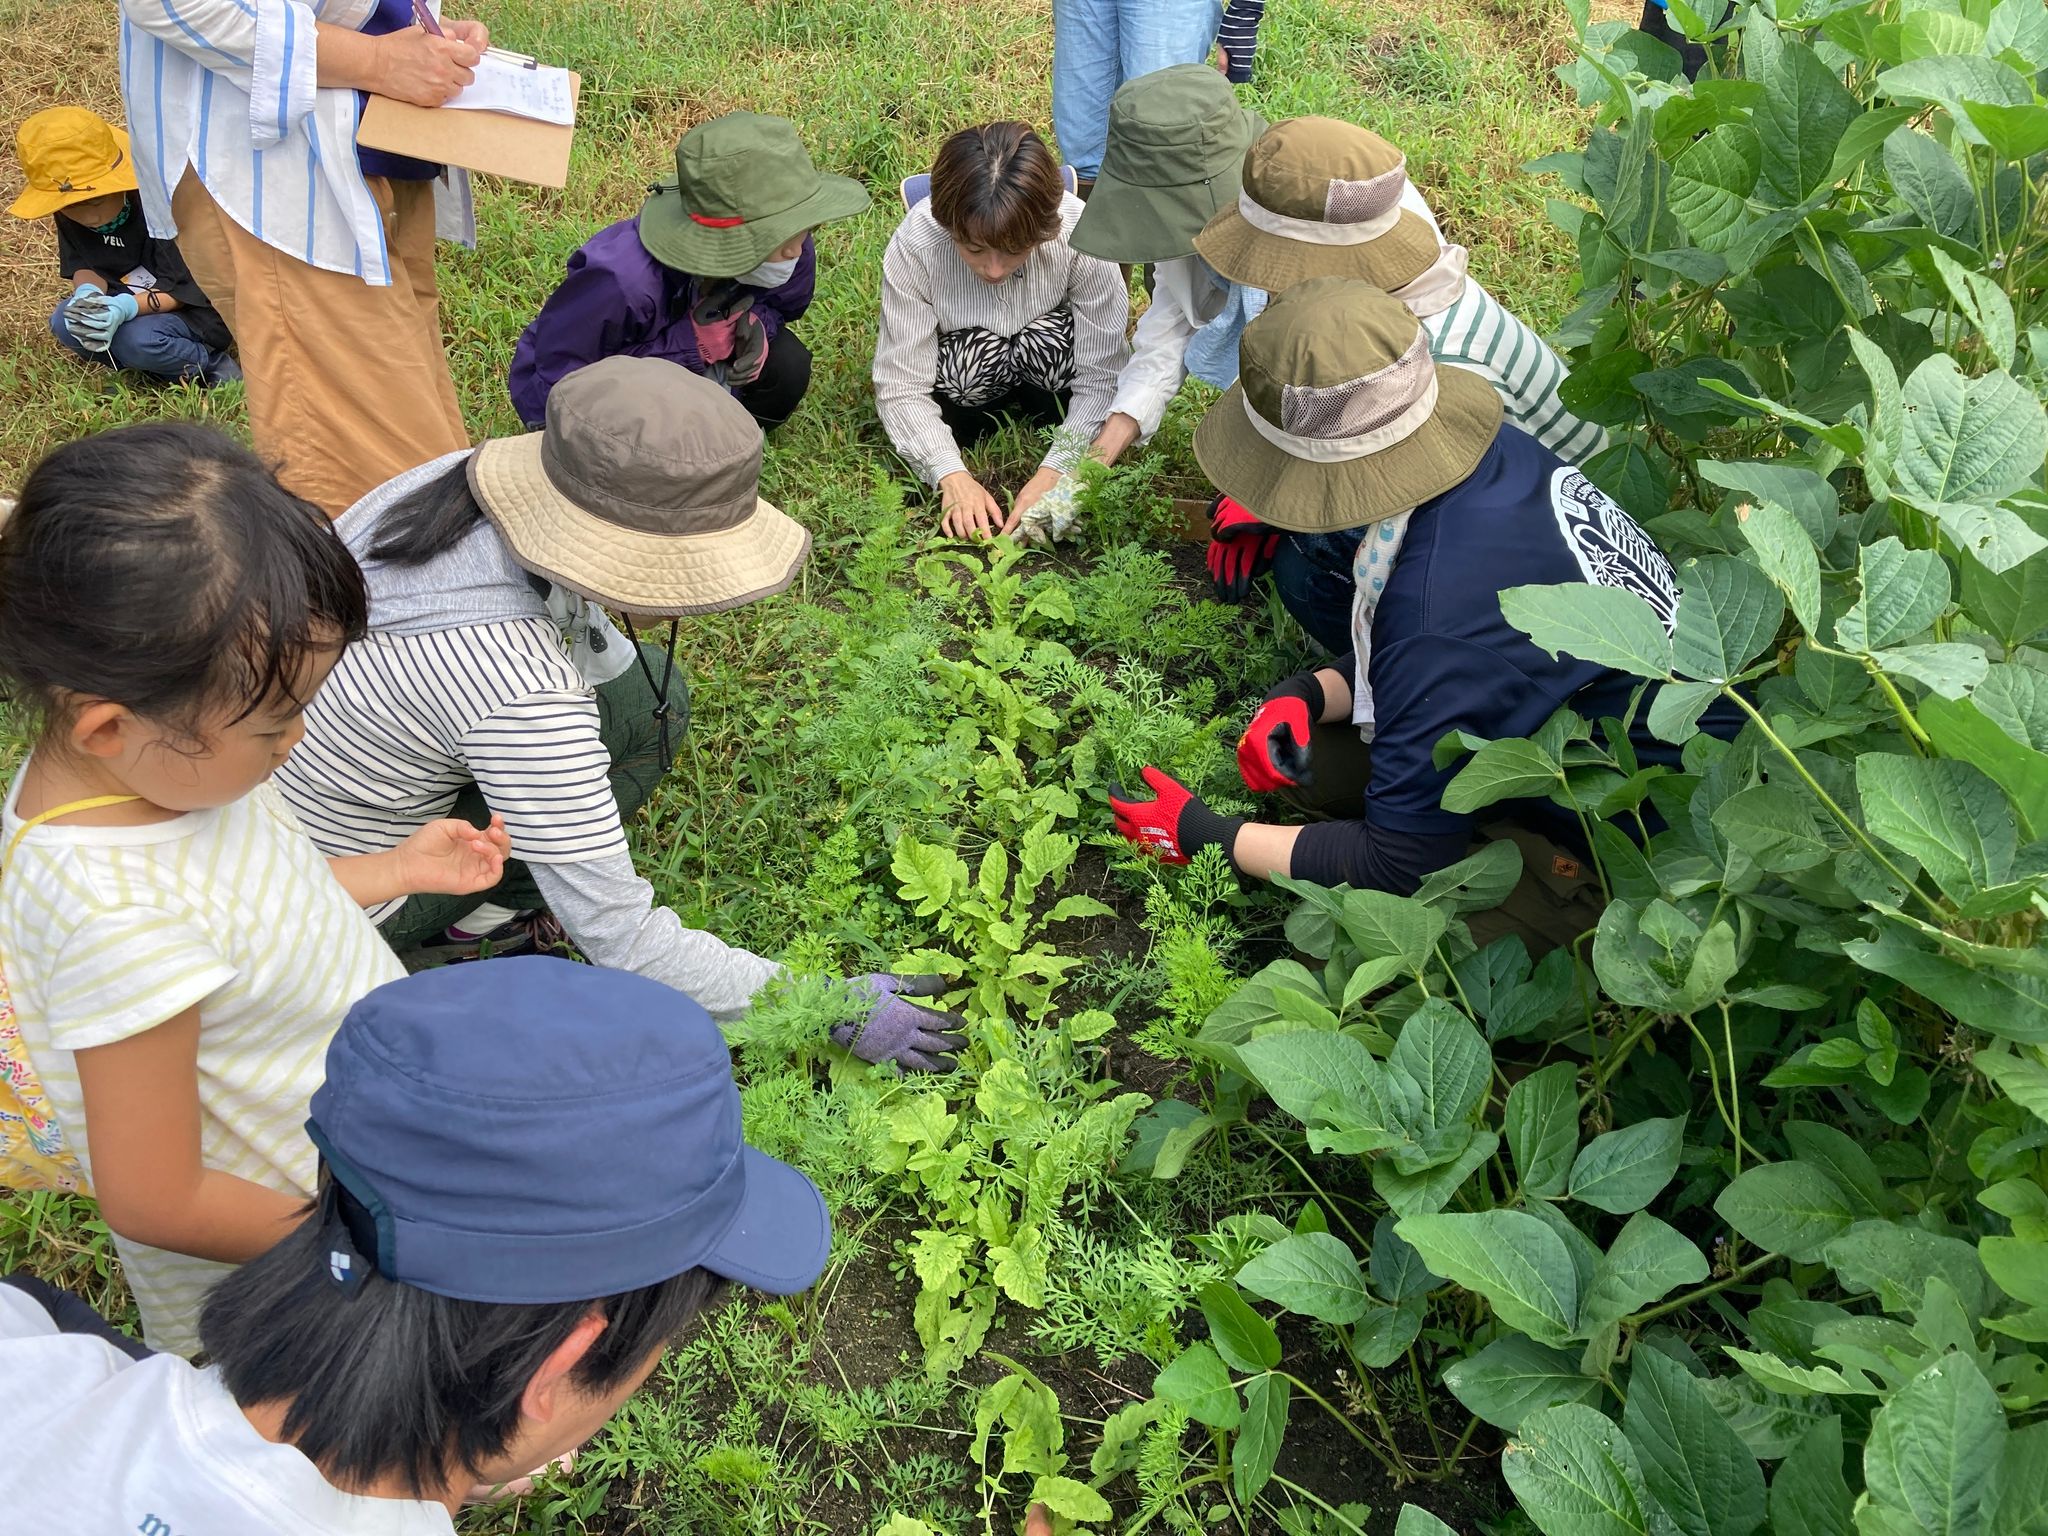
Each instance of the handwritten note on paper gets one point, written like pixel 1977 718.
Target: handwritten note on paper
pixel 541 93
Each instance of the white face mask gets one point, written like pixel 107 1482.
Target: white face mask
pixel 770 274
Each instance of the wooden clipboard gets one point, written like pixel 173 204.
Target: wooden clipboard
pixel 495 143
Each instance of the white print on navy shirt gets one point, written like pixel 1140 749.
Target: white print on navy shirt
pixel 1611 550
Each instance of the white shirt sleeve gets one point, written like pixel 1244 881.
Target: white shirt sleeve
pixel 907 367
pixel 1159 347
pixel 1102 311
pixel 269 48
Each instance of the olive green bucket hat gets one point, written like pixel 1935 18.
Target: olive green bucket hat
pixel 1177 139
pixel 1339 416
pixel 744 184
pixel 1320 198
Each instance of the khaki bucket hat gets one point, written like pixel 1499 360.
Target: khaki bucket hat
pixel 1177 139
pixel 744 185
pixel 641 493
pixel 1320 198
pixel 1340 417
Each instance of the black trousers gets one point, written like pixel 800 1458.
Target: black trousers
pixel 773 397
pixel 1028 403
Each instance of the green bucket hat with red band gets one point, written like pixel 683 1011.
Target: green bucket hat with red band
pixel 1177 139
pixel 744 185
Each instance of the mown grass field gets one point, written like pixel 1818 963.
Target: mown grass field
pixel 817 1415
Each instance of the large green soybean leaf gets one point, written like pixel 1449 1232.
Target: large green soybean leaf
pixel 2016 1499
pixel 1968 439
pixel 2008 1004
pixel 1198 1382
pixel 1775 827
pixel 1946 814
pixel 1933 1447
pixel 1518 1264
pixel 1787 1208
pixel 1623 1170
pixel 1606 625
pixel 1902 592
pixel 1728 611
pixel 1927 177
pixel 1319 1074
pixel 1380 923
pixel 1804 493
pixel 1311 1273
pixel 1448 1059
pixel 1575 1474
pixel 1809 1495
pixel 1960 729
pixel 1417 1521
pixel 1259 1436
pixel 1711 180
pixel 1952 79
pixel 1694 1465
pixel 1503 770
pixel 1514 1376
pixel 1785 554
pixel 1245 1340
pixel 1802 116
pixel 1541 1124
pixel 1397 1270
pixel 1647 1261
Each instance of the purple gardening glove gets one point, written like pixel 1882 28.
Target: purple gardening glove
pixel 714 317
pixel 916 1039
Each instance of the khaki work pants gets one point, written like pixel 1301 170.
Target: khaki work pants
pixel 348 384
pixel 1557 898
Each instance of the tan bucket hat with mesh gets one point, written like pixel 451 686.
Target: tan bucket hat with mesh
pixel 1319 198
pixel 641 493
pixel 1339 416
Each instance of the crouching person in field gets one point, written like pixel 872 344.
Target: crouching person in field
pixel 1341 419
pixel 479 1286
pixel 491 676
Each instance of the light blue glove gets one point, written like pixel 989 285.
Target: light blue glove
pixel 94 318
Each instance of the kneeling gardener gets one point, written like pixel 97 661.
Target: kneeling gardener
pixel 478 1287
pixel 1341 419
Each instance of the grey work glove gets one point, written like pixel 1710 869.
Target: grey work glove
pixel 890 1029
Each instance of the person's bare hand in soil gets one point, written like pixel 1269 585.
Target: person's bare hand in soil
pixel 970 509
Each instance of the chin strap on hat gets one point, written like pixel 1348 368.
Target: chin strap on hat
pixel 663 714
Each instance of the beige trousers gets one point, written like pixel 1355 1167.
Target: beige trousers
pixel 348 384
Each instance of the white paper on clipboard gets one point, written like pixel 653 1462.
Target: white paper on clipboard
pixel 540 92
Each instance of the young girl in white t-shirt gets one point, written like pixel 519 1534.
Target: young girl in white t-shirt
pixel 177 949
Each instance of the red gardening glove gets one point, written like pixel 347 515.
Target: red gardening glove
pixel 1176 825
pixel 1273 752
pixel 1240 549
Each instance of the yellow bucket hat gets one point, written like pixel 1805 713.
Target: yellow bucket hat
pixel 70 155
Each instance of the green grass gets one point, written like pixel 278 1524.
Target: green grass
pixel 816 1415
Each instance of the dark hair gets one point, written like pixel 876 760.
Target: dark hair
pixel 396 1382
pixel 163 567
pixel 429 520
pixel 997 186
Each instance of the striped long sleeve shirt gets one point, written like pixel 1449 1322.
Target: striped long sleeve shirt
pixel 927 290
pixel 229 89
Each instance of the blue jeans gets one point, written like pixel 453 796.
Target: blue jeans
pixel 1312 574
pixel 1099 44
pixel 160 345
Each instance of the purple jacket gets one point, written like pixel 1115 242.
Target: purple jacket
pixel 617 299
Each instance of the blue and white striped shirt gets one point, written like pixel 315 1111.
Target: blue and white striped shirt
pixel 229 88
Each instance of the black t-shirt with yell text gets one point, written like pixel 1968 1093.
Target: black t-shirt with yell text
pixel 1443 657
pixel 126 254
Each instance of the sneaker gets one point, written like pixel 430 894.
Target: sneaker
pixel 530 933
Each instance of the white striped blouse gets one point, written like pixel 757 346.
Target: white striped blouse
pixel 228 89
pixel 927 290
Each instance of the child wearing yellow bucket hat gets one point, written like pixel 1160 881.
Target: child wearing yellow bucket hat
pixel 132 302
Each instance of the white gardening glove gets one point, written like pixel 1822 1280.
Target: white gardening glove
pixel 1048 518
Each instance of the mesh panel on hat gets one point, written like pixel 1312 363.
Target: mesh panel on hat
pixel 1360 405
pixel 1354 202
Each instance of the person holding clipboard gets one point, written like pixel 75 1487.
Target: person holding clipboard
pixel 243 118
